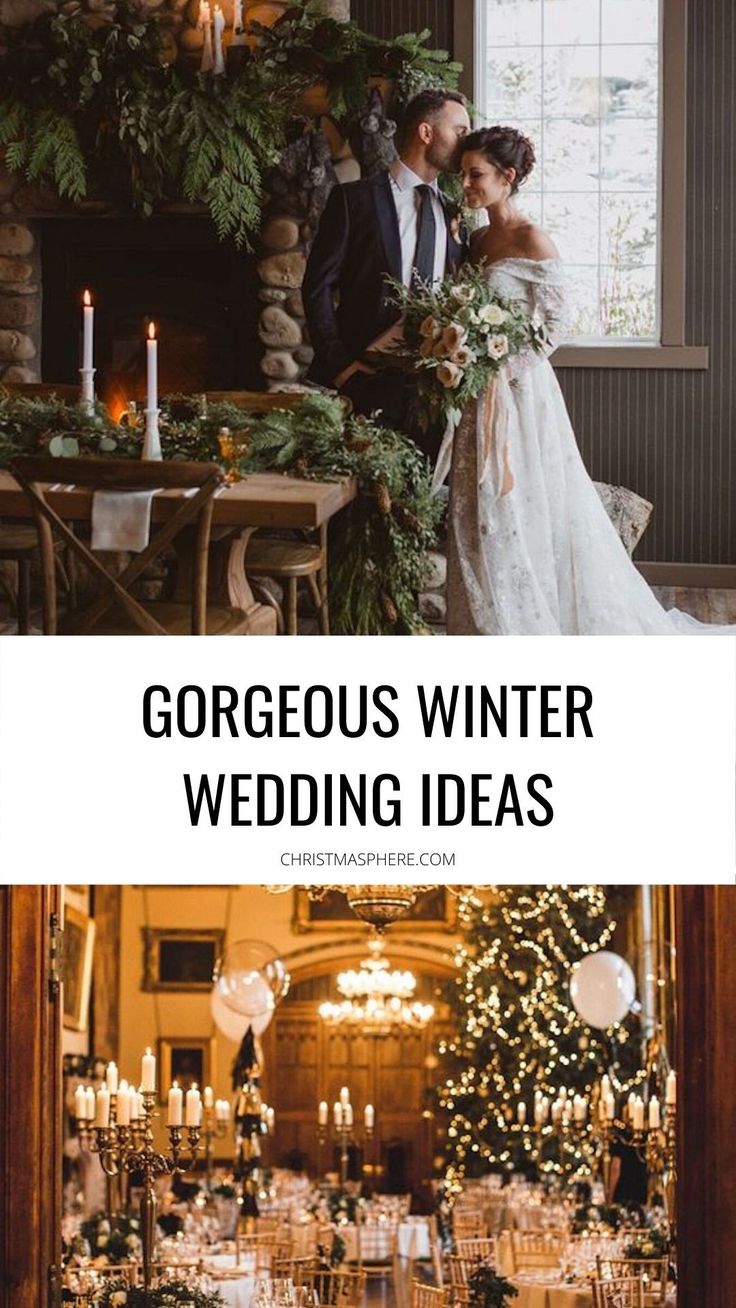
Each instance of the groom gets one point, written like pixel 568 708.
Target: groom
pixel 393 224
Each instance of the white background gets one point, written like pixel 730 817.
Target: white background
pixel 85 795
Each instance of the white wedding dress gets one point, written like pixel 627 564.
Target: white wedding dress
pixel 543 557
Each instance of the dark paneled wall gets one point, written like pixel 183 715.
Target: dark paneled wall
pixel 669 435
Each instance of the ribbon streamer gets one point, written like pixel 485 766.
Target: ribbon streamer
pixel 492 436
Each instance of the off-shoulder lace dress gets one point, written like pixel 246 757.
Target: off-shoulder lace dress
pixel 531 550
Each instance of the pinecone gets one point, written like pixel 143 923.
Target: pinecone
pixel 300 468
pixel 359 445
pixel 390 612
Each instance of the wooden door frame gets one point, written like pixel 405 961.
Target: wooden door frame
pixel 30 1099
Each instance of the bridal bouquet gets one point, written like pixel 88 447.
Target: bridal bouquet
pixel 458 335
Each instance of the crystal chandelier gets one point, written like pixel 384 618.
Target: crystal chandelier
pixel 377 999
pixel 377 905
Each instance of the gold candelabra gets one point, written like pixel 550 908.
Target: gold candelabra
pixel 655 1145
pixel 213 1128
pixel 126 1149
pixel 344 1133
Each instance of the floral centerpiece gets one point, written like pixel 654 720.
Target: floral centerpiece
pixel 171 1294
pixel 652 1242
pixel 457 336
pixel 113 1240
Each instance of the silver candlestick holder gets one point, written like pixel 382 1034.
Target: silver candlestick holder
pixel 87 389
pixel 152 436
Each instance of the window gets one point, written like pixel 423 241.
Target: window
pixel 586 80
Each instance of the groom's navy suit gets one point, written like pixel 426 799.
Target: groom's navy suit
pixel 357 246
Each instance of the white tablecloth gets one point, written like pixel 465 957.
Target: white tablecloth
pixel 538 1291
pixel 375 1245
pixel 237 1292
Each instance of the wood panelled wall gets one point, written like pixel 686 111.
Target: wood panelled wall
pixel 306 1062
pixel 669 435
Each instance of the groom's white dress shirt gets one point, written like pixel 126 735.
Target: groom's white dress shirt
pixel 407 200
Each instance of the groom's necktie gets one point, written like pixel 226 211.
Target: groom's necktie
pixel 423 266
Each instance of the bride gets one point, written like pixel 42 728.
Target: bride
pixel 531 550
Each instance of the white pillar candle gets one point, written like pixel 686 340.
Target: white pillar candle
pixel 226 1109
pixel 638 1114
pixel 580 1108
pixel 80 1103
pixel 556 1110
pixel 610 1107
pixel 90 1104
pixel 88 318
pixel 270 1118
pixel 192 1106
pixel 601 1110
pixel 123 1105
pixel 322 1112
pixel 209 1098
pixel 219 28
pixel 148 1072
pixel 151 377
pixel 337 1113
pixel 220 1110
pixel 348 1114
pixel 102 1108
pixel 111 1078
pixel 670 1093
pixel 135 1104
pixel 563 1093
pixel 654 1113
pixel 369 1117
pixel 545 1108
pixel 521 1113
pixel 176 1102
pixel 344 1095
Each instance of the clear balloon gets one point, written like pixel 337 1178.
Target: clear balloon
pixel 232 1025
pixel 603 989
pixel 251 978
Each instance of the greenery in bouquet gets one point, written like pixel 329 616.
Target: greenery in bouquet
pixel 171 1294
pixel 342 1206
pixel 594 1217
pixel 225 1190
pixel 116 1239
pixel 458 336
pixel 488 1289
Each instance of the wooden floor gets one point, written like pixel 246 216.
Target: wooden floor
pixel 716 606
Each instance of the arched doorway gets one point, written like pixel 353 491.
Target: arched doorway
pixel 308 1061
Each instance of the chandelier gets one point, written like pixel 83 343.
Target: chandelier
pixel 377 905
pixel 377 999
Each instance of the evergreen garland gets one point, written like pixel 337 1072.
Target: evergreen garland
pixel 89 108
pixel 378 546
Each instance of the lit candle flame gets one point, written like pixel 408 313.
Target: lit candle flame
pixel 151 331
pixel 87 299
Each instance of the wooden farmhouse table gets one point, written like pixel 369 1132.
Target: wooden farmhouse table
pixel 259 500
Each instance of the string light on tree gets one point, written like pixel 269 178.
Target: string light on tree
pixel 518 1039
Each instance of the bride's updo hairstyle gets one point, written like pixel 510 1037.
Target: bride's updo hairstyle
pixel 506 148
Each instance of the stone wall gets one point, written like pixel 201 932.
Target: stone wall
pixel 297 192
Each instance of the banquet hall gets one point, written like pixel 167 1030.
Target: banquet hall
pixel 407 1096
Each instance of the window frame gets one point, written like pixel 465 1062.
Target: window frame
pixel 672 350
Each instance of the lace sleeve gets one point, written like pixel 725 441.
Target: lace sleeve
pixel 549 305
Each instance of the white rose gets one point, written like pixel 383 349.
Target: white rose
pixel 429 328
pixel 101 1241
pixel 118 1297
pixel 497 346
pixel 463 356
pixel 449 375
pixel 104 1228
pixel 492 315
pixel 462 293
pixel 453 337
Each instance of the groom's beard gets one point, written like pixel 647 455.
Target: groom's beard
pixel 444 158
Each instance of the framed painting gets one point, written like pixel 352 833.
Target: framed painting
pixel 435 910
pixel 78 946
pixel 189 1060
pixel 178 959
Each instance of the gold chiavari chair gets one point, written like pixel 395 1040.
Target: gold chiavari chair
pixel 378 1252
pixel 537 1248
pixel 82 1285
pixel 262 1250
pixel 481 1249
pixel 295 1269
pixel 468 1223
pixel 653 1273
pixel 439 1270
pixel 427 1296
pixel 336 1289
pixel 623 1292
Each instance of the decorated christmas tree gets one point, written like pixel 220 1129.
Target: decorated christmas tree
pixel 519 1048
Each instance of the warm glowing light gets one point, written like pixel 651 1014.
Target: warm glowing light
pixel 376 999
pixel 87 299
pixel 151 331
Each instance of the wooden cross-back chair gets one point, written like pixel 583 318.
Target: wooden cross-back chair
pixel 621 1292
pixel 193 511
